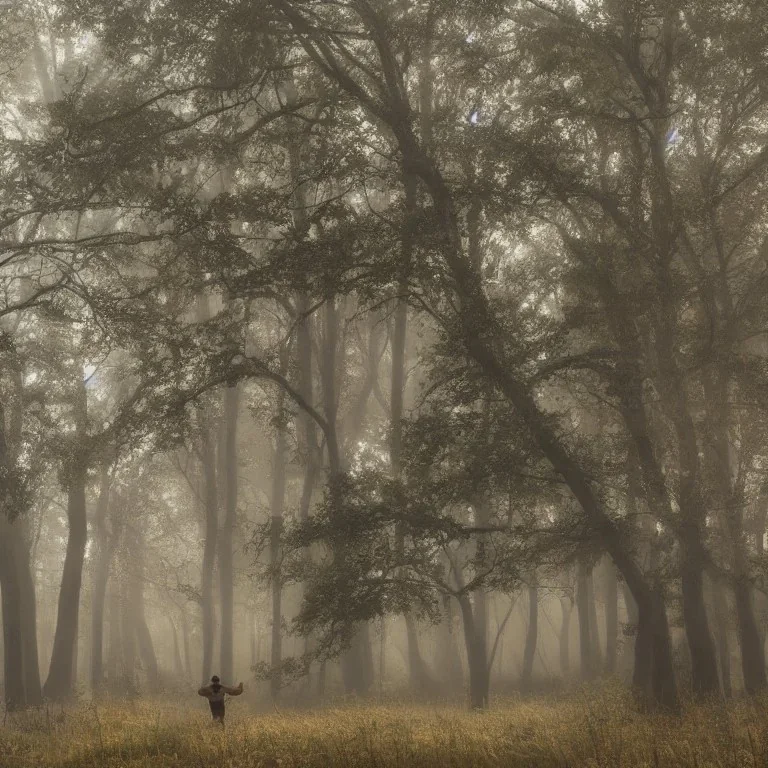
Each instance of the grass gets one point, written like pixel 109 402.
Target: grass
pixel 593 729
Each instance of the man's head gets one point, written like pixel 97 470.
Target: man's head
pixel 215 680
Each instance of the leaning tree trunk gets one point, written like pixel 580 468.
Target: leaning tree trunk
pixel 226 570
pixel 60 683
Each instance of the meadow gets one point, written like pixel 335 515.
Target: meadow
pixel 598 728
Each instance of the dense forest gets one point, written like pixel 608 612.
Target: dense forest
pixel 383 348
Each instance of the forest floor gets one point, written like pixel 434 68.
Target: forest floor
pixel 599 728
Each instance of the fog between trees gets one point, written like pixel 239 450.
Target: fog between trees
pixel 383 348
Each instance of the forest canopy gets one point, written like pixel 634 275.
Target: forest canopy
pixel 340 341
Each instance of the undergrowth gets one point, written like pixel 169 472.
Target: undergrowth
pixel 599 728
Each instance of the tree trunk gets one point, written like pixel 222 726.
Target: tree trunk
pixel 252 639
pixel 630 605
pixel 448 658
pixel 13 649
pixel 588 670
pixel 477 657
pixel 353 661
pixel 128 640
pixel 306 429
pixel 594 628
pixel 105 549
pixel 357 663
pixel 642 672
pixel 720 605
pixel 60 682
pixel 210 510
pixel 752 653
pixel 704 676
pixel 277 504
pixel 566 606
pixel 139 620
pixel 417 669
pixel 382 654
pixel 663 671
pixel 611 616
pixel 226 572
pixel 187 649
pixel 531 635
pixel 32 683
pixel 178 666
pixel 419 677
pixel 115 649
pixel 147 651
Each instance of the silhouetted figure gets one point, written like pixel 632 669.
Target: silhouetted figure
pixel 215 693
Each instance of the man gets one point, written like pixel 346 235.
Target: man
pixel 215 693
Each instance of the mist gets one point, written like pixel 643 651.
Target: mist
pixel 403 362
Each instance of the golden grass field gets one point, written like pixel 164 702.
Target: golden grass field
pixel 583 729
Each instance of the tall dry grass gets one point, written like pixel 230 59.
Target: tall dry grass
pixel 599 728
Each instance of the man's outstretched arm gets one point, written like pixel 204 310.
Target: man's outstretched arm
pixel 204 691
pixel 233 691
